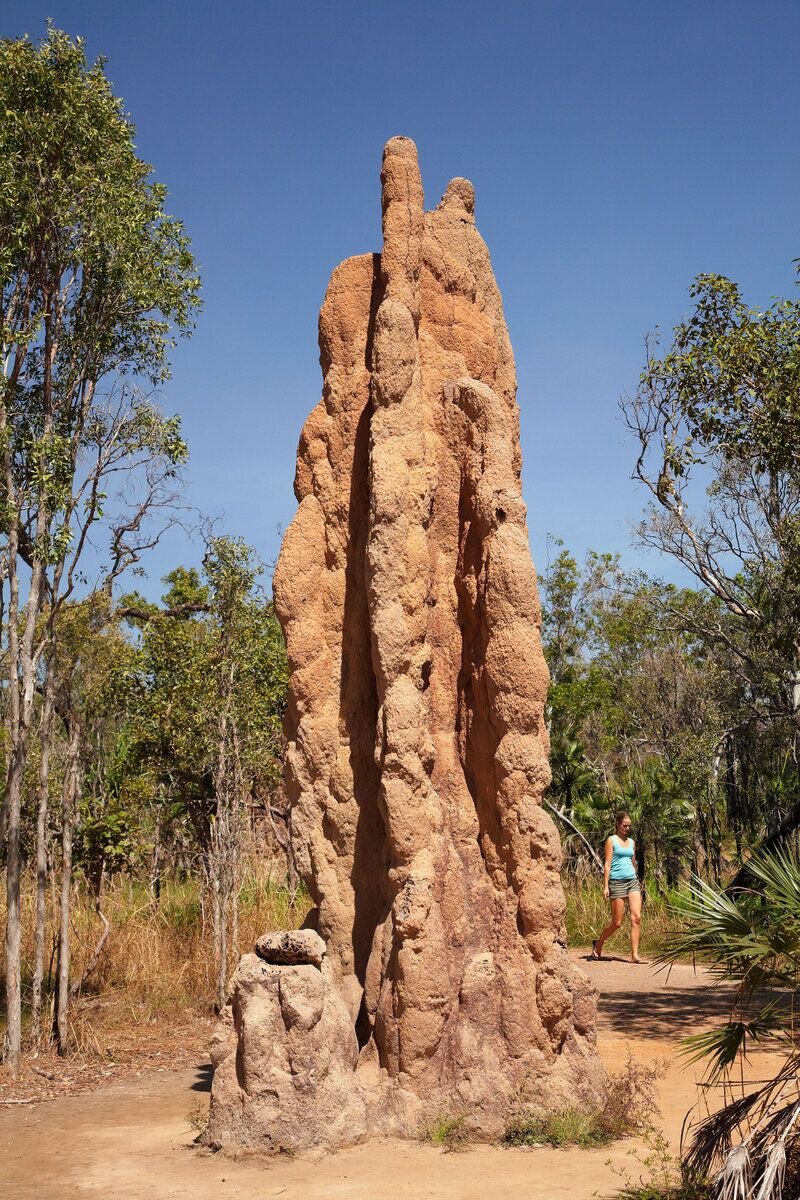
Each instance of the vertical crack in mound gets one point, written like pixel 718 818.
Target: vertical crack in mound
pixel 476 741
pixel 416 752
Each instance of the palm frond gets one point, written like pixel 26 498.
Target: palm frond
pixel 714 921
pixel 741 937
pixel 779 872
pixel 713 1137
pixel 770 1185
pixel 781 1124
pixel 750 938
pixel 721 1046
pixel 733 1180
pixel 725 1043
pixel 771 1144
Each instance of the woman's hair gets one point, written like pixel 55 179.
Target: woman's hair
pixel 620 817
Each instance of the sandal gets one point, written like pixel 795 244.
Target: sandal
pixel 597 957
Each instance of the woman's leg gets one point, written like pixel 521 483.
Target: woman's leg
pixel 635 909
pixel 617 909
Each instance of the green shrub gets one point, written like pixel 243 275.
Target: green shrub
pixel 660 1175
pixel 447 1132
pixel 569 1127
pixel 686 1190
pixel 629 1105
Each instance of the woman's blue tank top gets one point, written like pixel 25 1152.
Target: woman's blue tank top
pixel 622 859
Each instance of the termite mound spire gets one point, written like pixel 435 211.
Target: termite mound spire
pixel 417 754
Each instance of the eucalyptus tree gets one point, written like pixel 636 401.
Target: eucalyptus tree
pixel 572 596
pixel 720 410
pixel 92 682
pixel 639 703
pixel 95 280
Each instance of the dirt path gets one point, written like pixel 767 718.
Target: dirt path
pixel 133 1140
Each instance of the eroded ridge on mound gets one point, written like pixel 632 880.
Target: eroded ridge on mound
pixel 417 753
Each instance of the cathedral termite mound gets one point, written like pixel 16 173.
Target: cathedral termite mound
pixel 417 754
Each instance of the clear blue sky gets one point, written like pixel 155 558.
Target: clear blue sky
pixel 617 149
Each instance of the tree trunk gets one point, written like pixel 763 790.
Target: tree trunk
pixel 235 923
pixel 642 851
pixel 155 862
pixel 796 710
pixel 13 1039
pixel 224 841
pixel 12 1050
pixel 222 971
pixel 744 877
pixel 68 796
pixel 216 923
pixel 22 680
pixel 45 728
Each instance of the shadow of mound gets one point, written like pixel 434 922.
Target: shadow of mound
pixel 204 1075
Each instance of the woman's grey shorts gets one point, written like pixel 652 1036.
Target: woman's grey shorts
pixel 618 889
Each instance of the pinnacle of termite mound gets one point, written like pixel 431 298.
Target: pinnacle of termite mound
pixel 417 754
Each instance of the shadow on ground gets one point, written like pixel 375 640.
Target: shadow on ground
pixel 669 1013
pixel 203 1081
pixel 650 1001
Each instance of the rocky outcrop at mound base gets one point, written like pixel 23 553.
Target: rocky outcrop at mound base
pixel 417 754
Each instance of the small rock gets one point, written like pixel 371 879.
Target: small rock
pixel 291 947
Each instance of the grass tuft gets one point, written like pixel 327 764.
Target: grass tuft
pixel 197 1117
pixel 448 1132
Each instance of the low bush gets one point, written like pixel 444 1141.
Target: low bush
pixel 684 1190
pixel 568 1127
pixel 628 1107
pixel 657 1173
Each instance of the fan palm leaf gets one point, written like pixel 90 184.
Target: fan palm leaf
pixel 750 938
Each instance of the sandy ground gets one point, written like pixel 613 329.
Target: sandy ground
pixel 133 1140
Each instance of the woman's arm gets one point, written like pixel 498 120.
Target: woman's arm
pixel 607 865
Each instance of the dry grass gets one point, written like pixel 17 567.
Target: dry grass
pixel 152 989
pixel 161 954
pixel 588 912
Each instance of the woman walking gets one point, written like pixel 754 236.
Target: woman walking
pixel 621 883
